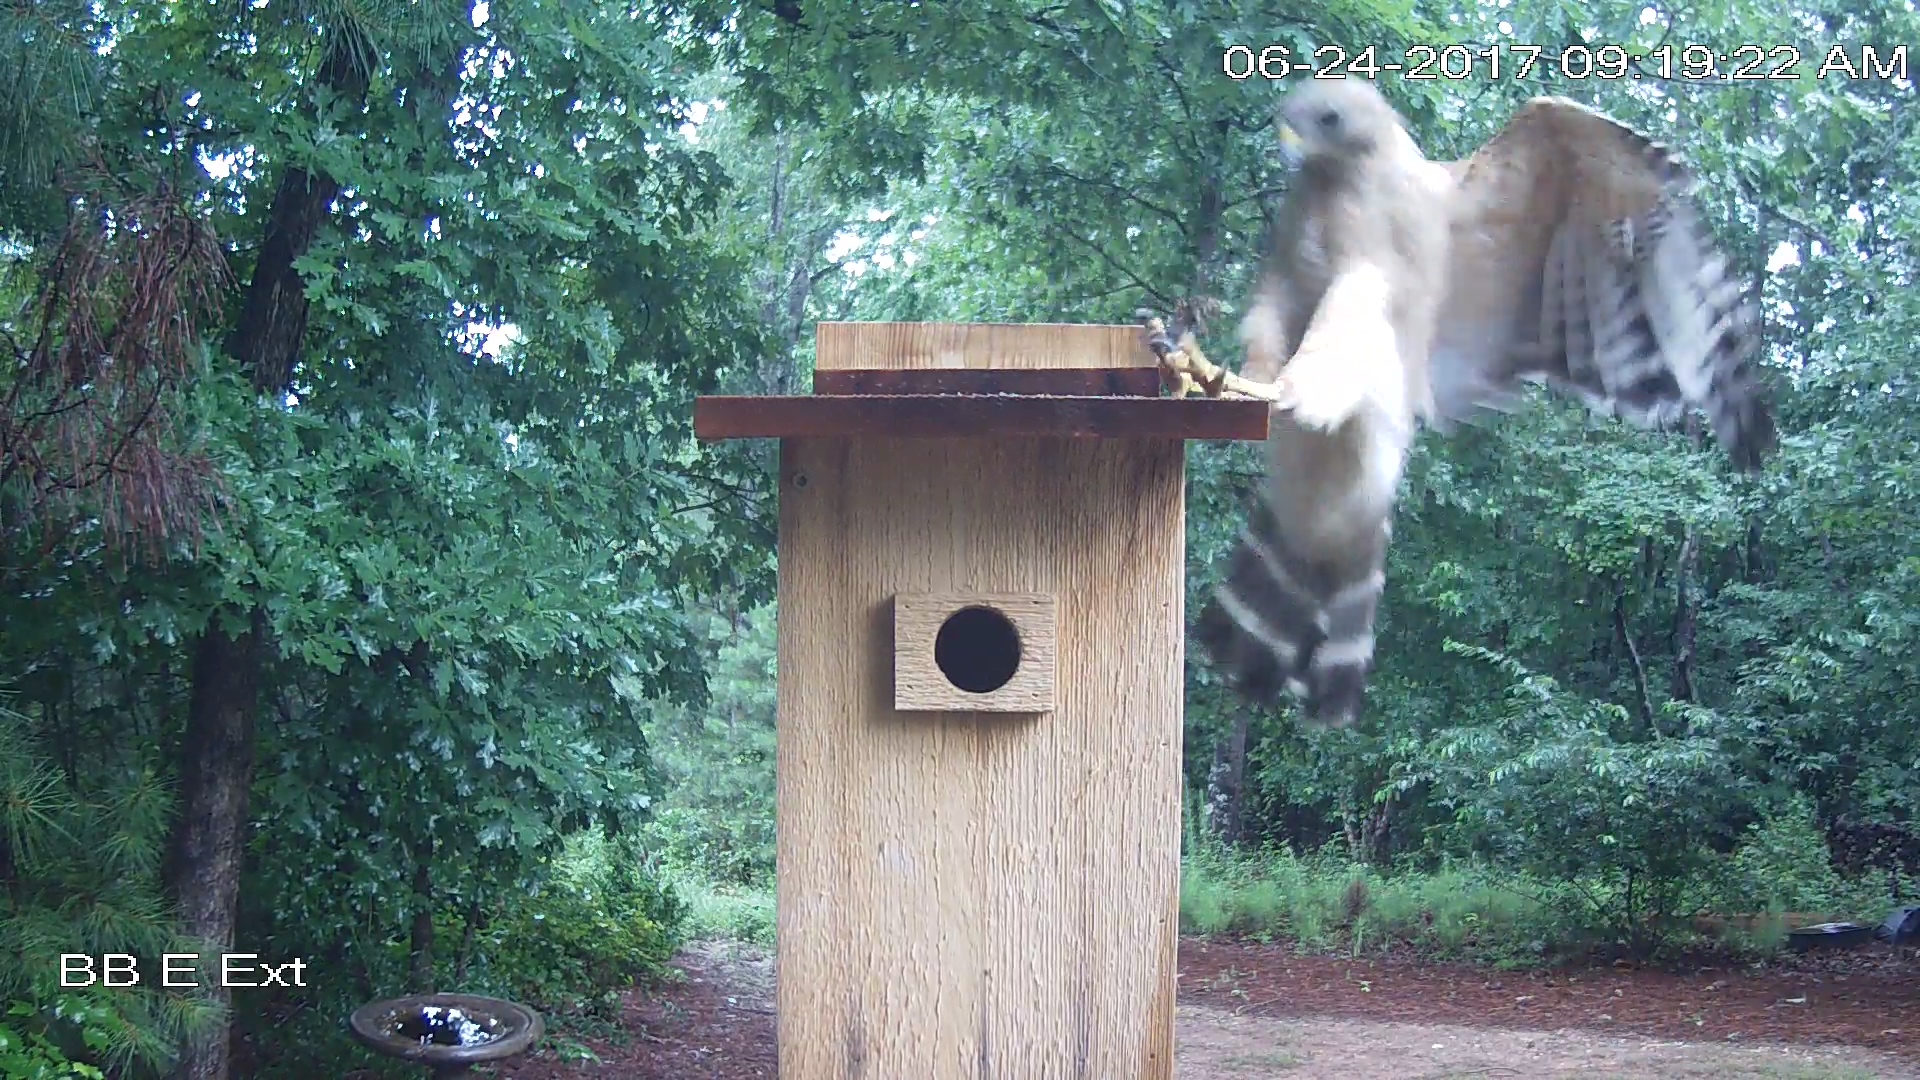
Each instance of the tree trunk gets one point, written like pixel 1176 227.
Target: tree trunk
pixel 1686 617
pixel 1625 633
pixel 208 845
pixel 420 952
pixel 1205 237
pixel 274 320
pixel 787 285
pixel 471 931
pixel 1377 834
pixel 209 836
pixel 1226 783
pixel 1756 553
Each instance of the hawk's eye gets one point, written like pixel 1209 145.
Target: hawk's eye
pixel 1329 119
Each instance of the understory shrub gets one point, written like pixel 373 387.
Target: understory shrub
pixel 597 920
pixel 1631 816
pixel 1783 864
pixel 715 822
pixel 604 924
pixel 714 844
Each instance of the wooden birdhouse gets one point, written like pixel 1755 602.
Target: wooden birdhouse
pixel 981 615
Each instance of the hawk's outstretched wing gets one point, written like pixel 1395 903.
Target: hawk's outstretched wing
pixel 1577 258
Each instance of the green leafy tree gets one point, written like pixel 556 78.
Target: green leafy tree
pixel 444 580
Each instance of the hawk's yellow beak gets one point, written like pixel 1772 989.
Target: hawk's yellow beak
pixel 1292 147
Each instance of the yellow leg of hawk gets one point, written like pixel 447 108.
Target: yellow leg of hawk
pixel 1184 368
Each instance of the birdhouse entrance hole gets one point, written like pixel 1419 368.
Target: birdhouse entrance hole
pixel 977 649
pixel 974 652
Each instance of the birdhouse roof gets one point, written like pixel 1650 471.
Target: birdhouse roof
pixel 946 380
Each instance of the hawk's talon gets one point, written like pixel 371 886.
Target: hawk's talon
pixel 1183 367
pixel 1175 381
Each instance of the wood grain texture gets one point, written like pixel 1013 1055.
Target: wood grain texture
pixel 979 345
pixel 964 894
pixel 919 683
pixel 946 416
pixel 1057 382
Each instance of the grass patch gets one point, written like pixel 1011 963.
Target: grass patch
pixel 1327 904
pixel 1508 918
pixel 727 912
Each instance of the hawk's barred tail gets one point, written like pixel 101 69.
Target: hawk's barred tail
pixel 1337 674
pixel 1264 620
pixel 1280 625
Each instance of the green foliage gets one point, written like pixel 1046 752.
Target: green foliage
pixel 50 81
pixel 1558 790
pixel 1328 903
pixel 468 558
pixel 33 1038
pixel 729 913
pixel 599 928
pixel 1782 865
pixel 79 874
pixel 716 825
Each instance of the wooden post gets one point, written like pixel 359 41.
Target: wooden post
pixel 980 676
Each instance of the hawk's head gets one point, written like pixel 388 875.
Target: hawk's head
pixel 1334 120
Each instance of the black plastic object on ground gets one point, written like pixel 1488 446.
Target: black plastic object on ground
pixel 1832 935
pixel 1901 927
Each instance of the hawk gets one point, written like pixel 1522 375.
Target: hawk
pixel 1401 290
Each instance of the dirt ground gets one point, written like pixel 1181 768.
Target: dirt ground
pixel 1250 1010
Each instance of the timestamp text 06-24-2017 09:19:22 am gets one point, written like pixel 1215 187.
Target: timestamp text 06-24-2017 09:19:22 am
pixel 1459 63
